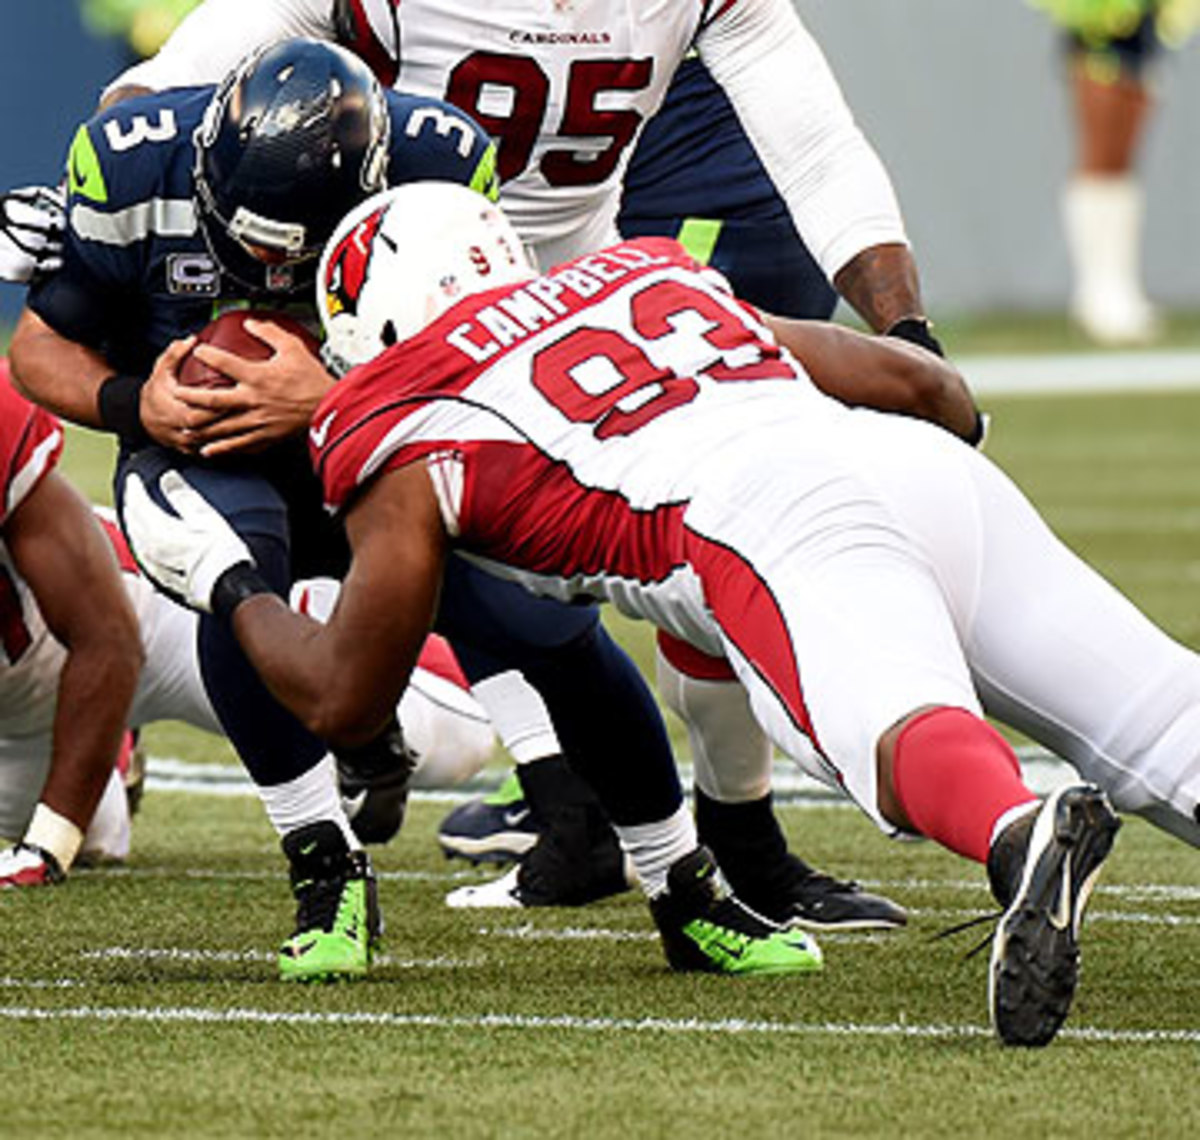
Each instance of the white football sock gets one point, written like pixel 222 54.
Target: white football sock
pixel 653 847
pixel 310 798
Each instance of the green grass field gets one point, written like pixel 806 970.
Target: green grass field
pixel 142 1001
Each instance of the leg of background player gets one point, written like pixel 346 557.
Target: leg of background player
pixel 735 817
pixel 547 671
pixel 1103 202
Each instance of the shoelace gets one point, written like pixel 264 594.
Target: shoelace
pixel 992 917
pixel 318 905
pixel 737 919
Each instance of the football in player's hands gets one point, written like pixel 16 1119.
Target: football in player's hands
pixel 228 331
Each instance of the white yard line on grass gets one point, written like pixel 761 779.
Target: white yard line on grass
pixel 1134 918
pixel 1133 892
pixel 178 954
pixel 234 874
pixel 790 786
pixel 733 1027
pixel 1080 373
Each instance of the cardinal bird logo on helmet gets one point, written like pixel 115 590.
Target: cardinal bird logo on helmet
pixel 349 264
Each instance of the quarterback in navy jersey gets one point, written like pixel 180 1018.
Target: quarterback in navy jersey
pixel 138 270
pixel 183 203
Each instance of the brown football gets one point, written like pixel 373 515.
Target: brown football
pixel 229 332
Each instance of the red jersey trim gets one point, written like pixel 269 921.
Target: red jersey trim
pixel 749 617
pixel 31 443
pixel 691 662
pixel 362 40
pixel 120 547
pixel 714 10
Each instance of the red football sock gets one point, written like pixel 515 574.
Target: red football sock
pixel 955 776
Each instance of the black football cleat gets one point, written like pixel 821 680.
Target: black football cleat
pixel 1035 950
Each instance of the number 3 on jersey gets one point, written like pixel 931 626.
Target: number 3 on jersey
pixel 86 176
pixel 517 131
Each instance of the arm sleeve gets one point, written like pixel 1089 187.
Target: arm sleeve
pixel 793 111
pixel 216 35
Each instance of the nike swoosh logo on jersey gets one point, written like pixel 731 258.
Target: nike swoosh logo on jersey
pixel 352 805
pixel 320 432
pixel 513 818
pixel 78 177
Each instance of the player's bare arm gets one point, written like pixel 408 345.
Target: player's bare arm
pixel 270 400
pixel 66 377
pixel 343 678
pixel 61 551
pixel 880 372
pixel 59 374
pixel 882 285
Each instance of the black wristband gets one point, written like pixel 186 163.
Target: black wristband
pixel 119 406
pixel 979 431
pixel 231 589
pixel 917 330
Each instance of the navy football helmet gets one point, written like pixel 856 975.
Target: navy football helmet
pixel 295 137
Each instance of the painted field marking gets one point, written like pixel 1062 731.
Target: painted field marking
pixel 1136 918
pixel 791 787
pixel 198 1015
pixel 1145 892
pixel 530 933
pixel 241 874
pixel 1017 374
pixel 177 954
pixel 1150 892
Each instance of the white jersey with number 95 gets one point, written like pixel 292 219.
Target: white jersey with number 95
pixel 565 86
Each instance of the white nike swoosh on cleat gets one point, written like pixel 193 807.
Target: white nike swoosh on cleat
pixel 352 805
pixel 1060 916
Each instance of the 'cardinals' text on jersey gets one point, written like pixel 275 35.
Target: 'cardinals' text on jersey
pixel 566 89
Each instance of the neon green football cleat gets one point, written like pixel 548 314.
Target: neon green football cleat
pixel 337 911
pixel 705 927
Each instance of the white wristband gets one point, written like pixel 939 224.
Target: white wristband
pixel 54 833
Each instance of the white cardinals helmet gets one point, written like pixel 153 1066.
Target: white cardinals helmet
pixel 402 258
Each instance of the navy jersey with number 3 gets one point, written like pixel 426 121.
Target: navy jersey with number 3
pixel 137 272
